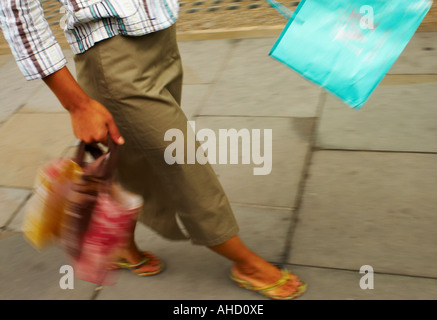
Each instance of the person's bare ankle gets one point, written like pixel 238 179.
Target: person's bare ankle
pixel 130 254
pixel 245 269
pixel 258 270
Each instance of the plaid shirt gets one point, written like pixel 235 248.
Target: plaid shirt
pixel 35 48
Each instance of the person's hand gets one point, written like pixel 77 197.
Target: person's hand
pixel 91 121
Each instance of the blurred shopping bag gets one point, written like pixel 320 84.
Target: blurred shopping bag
pixel 109 231
pixel 44 211
pixel 81 200
pixel 345 46
pixel 99 216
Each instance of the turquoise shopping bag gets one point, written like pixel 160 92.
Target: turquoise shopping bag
pixel 348 46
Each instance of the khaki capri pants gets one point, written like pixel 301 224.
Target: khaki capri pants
pixel 139 80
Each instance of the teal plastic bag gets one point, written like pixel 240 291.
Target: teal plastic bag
pixel 348 46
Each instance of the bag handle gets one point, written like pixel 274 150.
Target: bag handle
pixel 107 165
pixel 82 148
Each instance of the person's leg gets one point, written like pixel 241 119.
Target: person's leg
pixel 252 268
pixel 144 262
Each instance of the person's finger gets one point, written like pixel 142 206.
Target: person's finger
pixel 114 133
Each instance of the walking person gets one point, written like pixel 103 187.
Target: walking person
pixel 128 87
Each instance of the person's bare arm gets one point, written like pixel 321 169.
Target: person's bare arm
pixel 91 121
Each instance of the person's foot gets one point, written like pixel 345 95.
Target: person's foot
pixel 268 280
pixel 141 263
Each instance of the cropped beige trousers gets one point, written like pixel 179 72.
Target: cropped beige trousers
pixel 139 80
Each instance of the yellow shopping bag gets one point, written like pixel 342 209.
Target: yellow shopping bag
pixel 44 211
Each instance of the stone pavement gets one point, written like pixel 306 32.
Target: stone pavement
pixel 348 188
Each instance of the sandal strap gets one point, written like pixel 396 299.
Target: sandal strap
pixel 126 265
pixel 283 280
pixel 139 264
pixel 285 277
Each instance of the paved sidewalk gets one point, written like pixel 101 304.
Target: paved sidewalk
pixel 348 188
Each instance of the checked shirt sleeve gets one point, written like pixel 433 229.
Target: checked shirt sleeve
pixel 32 43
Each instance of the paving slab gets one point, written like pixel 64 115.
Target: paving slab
pixel 36 140
pixel 264 229
pixel 396 118
pixel 193 97
pixel 203 60
pixel 290 144
pixel 408 79
pixel 11 199
pixel 337 284
pixel 419 56
pixel 15 89
pixel 255 84
pixel 16 222
pixel 4 58
pixel 369 208
pixel 42 100
pixel 18 94
pixel 28 274
pixel 191 275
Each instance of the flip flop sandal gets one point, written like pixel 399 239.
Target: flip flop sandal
pixel 286 276
pixel 148 257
